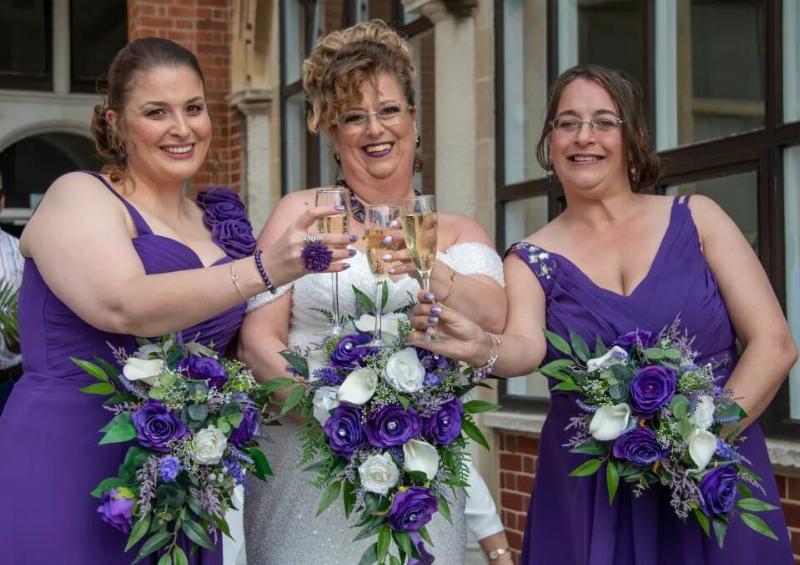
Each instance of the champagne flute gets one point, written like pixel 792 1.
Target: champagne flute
pixel 377 220
pixel 337 224
pixel 419 229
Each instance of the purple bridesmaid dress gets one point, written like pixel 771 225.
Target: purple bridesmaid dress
pixel 570 520
pixel 49 457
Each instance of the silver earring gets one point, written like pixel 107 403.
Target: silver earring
pixel 550 174
pixel 632 172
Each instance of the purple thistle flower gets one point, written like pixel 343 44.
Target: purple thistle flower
pixel 168 468
pixel 235 470
pixel 329 376
pixel 316 256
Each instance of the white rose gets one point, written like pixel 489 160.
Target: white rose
pixel 316 359
pixel 614 356
pixel 419 455
pixel 404 371
pixel 358 386
pixel 378 473
pixel 324 401
pixel 209 445
pixel 146 370
pixel 703 415
pixel 609 422
pixel 389 324
pixel 702 446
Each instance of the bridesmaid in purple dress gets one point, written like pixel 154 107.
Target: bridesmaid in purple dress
pixel 616 261
pixel 101 268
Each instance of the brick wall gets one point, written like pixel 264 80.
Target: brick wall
pixel 204 27
pixel 518 461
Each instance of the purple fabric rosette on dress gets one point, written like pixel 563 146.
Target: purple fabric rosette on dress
pixel 570 519
pixel 49 430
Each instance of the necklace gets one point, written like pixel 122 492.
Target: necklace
pixel 356 206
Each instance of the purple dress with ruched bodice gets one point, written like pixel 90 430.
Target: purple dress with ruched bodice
pixel 570 520
pixel 49 456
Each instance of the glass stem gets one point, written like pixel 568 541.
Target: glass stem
pixel 335 298
pixel 377 336
pixel 430 333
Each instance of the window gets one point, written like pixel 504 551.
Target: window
pixel 97 32
pixel 26 45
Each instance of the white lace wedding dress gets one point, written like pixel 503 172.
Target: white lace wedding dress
pixel 279 515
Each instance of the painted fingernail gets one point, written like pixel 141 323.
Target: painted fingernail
pixel 387 240
pixel 394 224
pixel 390 271
pixel 352 252
pixel 353 238
pixel 433 320
pixel 339 208
pixel 387 257
pixel 428 296
pixel 436 310
pixel 345 266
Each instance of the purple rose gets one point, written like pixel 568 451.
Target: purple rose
pixel 718 488
pixel 220 204
pixel 445 425
pixel 639 446
pixel 347 354
pixel 412 509
pixel 116 509
pixel 344 430
pixel 631 339
pixel 426 557
pixel 248 429
pixel 168 468
pixel 235 236
pixel 651 388
pixel 202 368
pixel 392 425
pixel 432 362
pixel 156 426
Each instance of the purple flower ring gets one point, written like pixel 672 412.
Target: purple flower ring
pixel 316 255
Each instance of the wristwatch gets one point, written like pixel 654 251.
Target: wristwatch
pixel 498 553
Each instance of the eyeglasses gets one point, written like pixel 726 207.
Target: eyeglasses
pixel 573 124
pixel 389 115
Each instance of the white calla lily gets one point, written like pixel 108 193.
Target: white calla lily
pixel 325 400
pixel 609 422
pixel 614 356
pixel 359 386
pixel 389 324
pixel 702 446
pixel 145 370
pixel 419 455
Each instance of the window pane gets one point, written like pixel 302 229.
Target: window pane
pixel 97 32
pixel 736 194
pixel 522 218
pixel 525 88
pixel 791 201
pixel 791 61
pixel 295 143
pixel 25 44
pixel 294 39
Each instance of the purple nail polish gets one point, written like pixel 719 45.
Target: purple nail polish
pixel 433 320
pixel 353 238
pixel 436 310
pixel 394 224
pixel 387 240
pixel 345 266
pixel 428 296
pixel 387 257
pixel 352 252
pixel 339 208
pixel 390 271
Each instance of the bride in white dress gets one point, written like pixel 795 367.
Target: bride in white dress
pixel 358 82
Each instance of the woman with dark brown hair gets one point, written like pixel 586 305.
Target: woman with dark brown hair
pixel 619 261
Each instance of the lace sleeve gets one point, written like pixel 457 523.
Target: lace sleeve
pixel 266 297
pixel 471 258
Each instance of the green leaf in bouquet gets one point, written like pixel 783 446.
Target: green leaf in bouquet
pixel 384 539
pixel 197 412
pixel 348 497
pixel 477 406
pixel 262 468
pixel 655 354
pixel 394 560
pixel 587 468
pixel 684 427
pixel 384 295
pixel 139 531
pixel 119 429
pixel 106 485
pixel 567 385
pixel 679 405
pixel 579 346
pixel 170 496
pixel 754 505
pixel 444 508
pixel 370 555
pixel 612 481
pixel 757 524
pixel 223 425
pixel 590 448
pixel 297 363
pixel 403 541
pixel 91 368
pixel 672 354
pixel 731 412
pixel 135 457
pixel 474 433
pixel 99 388
pixel 720 529
pixel 222 525
pixel 153 544
pixel 365 301
pixel 197 534
pixel 179 556
pixel 404 401
pixel 600 348
pixel 194 506
pixel 166 559
pixel 273 385
pixel 294 398
pixel 114 399
pixel 423 533
pixel 702 519
pixel 618 392
pixel 744 490
pixel 418 477
pixel 558 342
pixel 372 525
pixel 554 368
pixel 329 496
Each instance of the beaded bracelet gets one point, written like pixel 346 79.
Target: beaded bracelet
pixel 263 272
pixel 480 373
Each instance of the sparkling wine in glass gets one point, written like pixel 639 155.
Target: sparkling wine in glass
pixel 377 220
pixel 336 224
pixel 419 229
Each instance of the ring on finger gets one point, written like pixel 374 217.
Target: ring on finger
pixel 312 238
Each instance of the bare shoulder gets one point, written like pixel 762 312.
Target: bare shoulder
pixel 462 229
pixel 75 193
pixel 709 217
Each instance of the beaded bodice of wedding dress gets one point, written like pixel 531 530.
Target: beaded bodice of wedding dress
pixel 280 523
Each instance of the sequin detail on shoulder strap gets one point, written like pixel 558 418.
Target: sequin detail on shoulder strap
pixel 537 259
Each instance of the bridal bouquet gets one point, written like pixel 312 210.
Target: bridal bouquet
pixel 192 419
pixel 655 417
pixel 387 430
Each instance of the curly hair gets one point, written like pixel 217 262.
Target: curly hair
pixel 342 60
pixel 628 97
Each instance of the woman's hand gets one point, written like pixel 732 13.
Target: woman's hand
pixel 465 340
pixel 283 259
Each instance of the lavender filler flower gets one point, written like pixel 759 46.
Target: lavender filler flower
pixel 168 468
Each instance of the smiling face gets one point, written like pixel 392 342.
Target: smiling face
pixel 165 124
pixel 588 159
pixel 377 149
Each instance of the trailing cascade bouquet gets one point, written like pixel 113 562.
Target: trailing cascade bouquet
pixel 192 419
pixel 386 429
pixel 652 416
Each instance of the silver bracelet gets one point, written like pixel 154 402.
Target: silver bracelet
pixel 480 373
pixel 496 554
